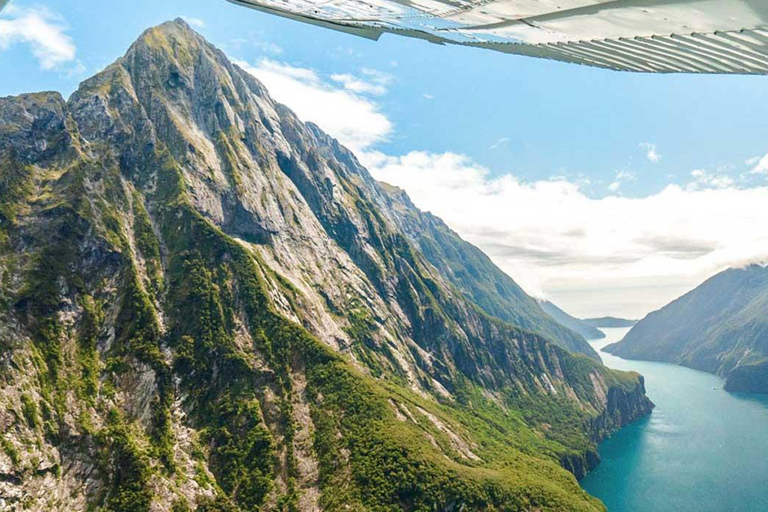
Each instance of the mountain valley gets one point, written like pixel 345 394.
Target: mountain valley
pixel 719 327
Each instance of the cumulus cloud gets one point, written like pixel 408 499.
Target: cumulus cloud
pixel 759 164
pixel 557 240
pixel 621 178
pixel 377 76
pixel 372 82
pixel 345 114
pixel 650 152
pixel 704 179
pixel 43 31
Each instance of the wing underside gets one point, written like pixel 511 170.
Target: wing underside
pixel 654 36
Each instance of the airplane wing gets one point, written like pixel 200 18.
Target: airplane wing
pixel 4 4
pixel 653 36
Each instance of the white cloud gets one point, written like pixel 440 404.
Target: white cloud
pixel 558 241
pixel 650 152
pixel 345 114
pixel 428 97
pixel 357 85
pixel 195 22
pixel 43 31
pixel 621 178
pixel 499 142
pixel 377 76
pixel 626 176
pixel 704 179
pixel 759 164
pixel 372 82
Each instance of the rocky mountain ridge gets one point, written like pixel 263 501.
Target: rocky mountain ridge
pixel 474 274
pixel 207 304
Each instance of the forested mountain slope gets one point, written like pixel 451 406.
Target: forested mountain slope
pixel 719 327
pixel 475 275
pixel 203 305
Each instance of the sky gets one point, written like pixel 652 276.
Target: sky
pixel 605 192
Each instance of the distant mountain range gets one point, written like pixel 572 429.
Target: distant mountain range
pixel 609 322
pixel 720 327
pixel 589 328
pixel 588 331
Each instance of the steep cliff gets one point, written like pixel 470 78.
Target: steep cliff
pixel 474 274
pixel 719 327
pixel 203 306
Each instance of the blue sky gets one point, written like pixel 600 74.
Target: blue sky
pixel 552 118
pixel 544 135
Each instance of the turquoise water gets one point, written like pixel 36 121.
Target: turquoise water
pixel 701 450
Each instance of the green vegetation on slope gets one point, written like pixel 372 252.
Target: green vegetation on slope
pixel 719 327
pixel 475 275
pixel 158 358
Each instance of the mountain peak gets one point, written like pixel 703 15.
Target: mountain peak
pixel 174 39
pixel 177 82
pixel 177 27
pixel 174 55
pixel 178 22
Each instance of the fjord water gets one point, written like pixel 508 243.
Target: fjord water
pixel 701 450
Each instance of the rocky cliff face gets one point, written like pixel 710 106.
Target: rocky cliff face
pixel 204 304
pixel 473 273
pixel 719 327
